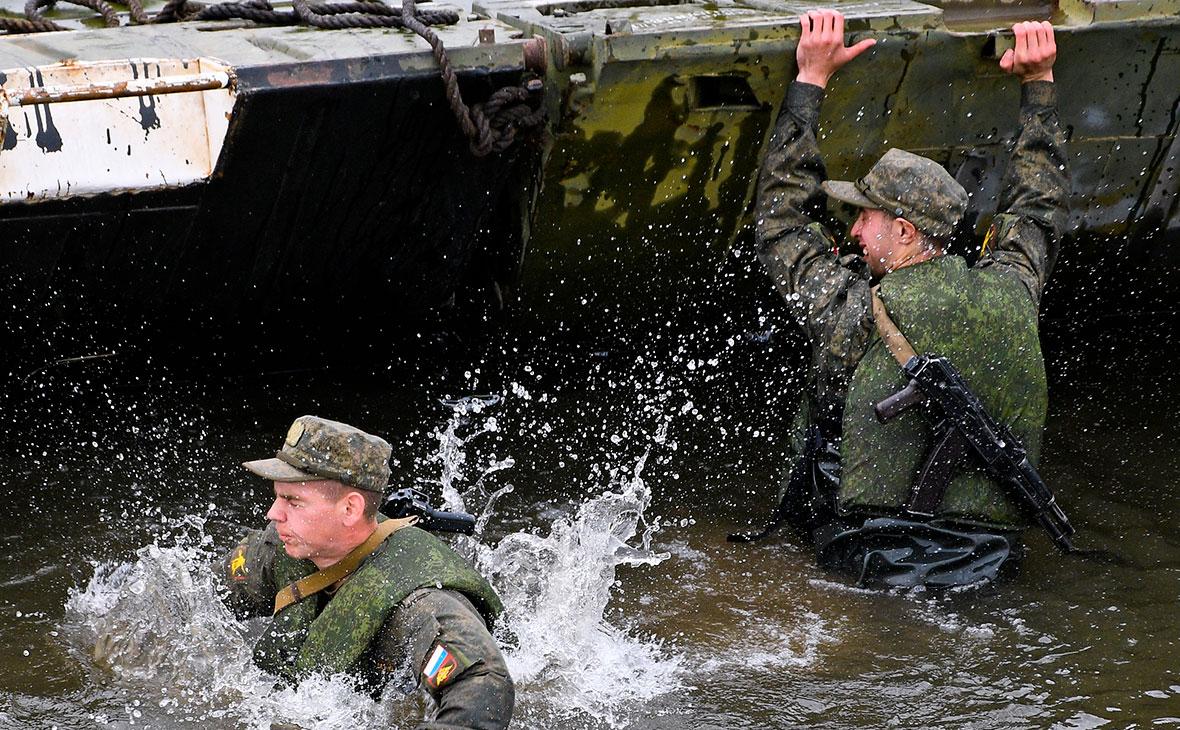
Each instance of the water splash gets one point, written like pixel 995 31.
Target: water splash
pixel 176 654
pixel 566 658
pixel 557 589
pixel 452 457
pixel 158 627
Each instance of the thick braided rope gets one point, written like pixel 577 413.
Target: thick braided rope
pixel 24 25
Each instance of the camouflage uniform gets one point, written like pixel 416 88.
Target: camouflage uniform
pixel 831 297
pixel 476 691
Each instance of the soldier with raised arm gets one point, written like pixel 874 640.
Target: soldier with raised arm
pixel 983 318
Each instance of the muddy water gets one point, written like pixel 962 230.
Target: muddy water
pixel 627 467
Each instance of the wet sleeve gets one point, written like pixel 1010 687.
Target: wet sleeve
pixel 247 573
pixel 828 299
pixel 442 639
pixel 1034 205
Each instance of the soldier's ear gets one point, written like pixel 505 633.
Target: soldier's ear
pixel 354 507
pixel 906 232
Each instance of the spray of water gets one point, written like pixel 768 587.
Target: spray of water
pixel 177 655
pixel 564 648
pixel 174 652
pixel 567 659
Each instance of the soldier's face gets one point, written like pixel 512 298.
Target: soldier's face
pixel 310 520
pixel 875 231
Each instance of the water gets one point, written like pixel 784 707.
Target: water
pixel 606 480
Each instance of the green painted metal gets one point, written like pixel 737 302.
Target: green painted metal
pixel 663 110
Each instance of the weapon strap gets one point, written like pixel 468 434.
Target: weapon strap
pixel 333 574
pixel 894 340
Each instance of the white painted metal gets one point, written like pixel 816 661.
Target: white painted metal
pixel 133 141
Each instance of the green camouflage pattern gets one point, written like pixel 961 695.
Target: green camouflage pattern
pixel 334 450
pixel 982 321
pixel 303 638
pixel 907 186
pixel 480 696
pixel 830 298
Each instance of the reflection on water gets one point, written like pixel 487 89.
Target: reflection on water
pixel 605 483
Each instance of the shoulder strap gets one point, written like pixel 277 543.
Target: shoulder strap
pixel 318 581
pixel 894 340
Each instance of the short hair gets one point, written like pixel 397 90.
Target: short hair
pixel 942 243
pixel 373 500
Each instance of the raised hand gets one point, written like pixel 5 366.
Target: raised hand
pixel 1032 59
pixel 821 51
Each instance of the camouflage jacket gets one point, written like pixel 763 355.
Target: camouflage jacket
pixel 829 296
pixel 480 695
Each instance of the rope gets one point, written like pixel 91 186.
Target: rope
pixel 24 25
pixel 103 8
pixel 135 9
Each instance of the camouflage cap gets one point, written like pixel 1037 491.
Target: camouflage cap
pixel 316 448
pixel 907 186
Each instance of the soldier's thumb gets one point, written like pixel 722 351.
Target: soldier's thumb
pixel 1007 59
pixel 859 48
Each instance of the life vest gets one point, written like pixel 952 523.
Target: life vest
pixel 298 642
pixel 984 322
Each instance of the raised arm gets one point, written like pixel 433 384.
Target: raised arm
pixel 830 301
pixel 1033 210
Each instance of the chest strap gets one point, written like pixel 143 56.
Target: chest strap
pixel 321 579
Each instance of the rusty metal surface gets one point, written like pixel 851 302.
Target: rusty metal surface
pixel 121 89
pixel 130 125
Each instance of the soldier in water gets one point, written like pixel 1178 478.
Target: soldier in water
pixel 983 318
pixel 351 591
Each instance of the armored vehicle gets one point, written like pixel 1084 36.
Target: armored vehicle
pixel 253 169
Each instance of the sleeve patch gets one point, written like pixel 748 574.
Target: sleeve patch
pixel 443 666
pixel 988 240
pixel 237 564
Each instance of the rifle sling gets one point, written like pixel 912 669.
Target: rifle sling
pixel 333 574
pixel 949 455
pixel 894 340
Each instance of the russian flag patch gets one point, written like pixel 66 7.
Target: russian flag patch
pixel 443 666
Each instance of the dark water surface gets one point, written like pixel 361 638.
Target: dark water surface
pixel 102 463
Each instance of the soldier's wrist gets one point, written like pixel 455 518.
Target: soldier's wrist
pixel 1038 94
pixel 1042 76
pixel 814 79
pixel 803 101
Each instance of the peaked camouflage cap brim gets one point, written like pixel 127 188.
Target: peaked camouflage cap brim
pixel 316 448
pixel 907 186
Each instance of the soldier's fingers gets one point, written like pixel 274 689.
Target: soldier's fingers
pixel 1048 44
pixel 1034 44
pixel 839 29
pixel 1021 46
pixel 804 28
pixel 860 47
pixel 816 23
pixel 825 25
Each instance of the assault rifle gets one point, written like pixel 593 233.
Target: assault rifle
pixel 408 501
pixel 962 428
